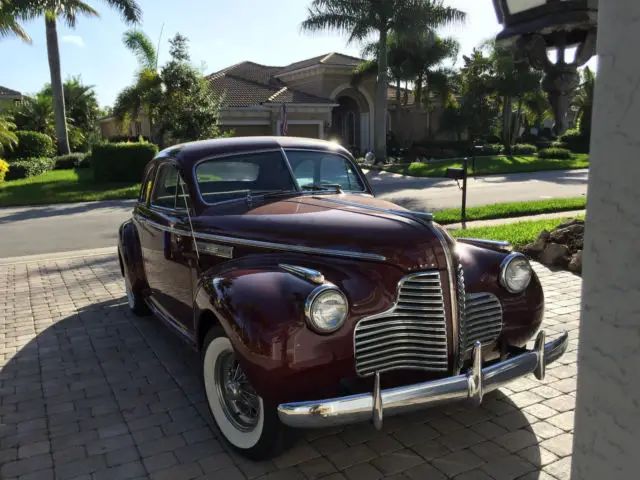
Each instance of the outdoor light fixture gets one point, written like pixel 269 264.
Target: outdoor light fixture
pixel 533 27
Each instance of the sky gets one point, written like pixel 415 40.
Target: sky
pixel 220 32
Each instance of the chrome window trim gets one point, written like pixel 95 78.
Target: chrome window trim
pixel 152 206
pixel 315 293
pixel 269 245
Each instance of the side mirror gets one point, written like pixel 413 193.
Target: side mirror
pixel 455 173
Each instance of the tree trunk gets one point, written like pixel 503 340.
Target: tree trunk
pixel 516 124
pixel 418 92
pixel 426 97
pixel 398 101
pixel 506 124
pixel 380 117
pixel 53 53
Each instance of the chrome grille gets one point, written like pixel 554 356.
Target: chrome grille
pixel 483 319
pixel 411 335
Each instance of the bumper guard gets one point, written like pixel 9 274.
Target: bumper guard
pixel 393 401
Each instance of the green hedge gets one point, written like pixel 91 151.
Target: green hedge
pixel 557 153
pixel 524 149
pixel 121 162
pixel 32 145
pixel 575 141
pixel 85 162
pixel 29 167
pixel 71 160
pixel 4 168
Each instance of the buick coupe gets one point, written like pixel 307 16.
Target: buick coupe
pixel 312 302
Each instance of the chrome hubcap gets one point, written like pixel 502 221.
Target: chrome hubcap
pixel 239 400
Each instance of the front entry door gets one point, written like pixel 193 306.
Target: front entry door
pixel 169 255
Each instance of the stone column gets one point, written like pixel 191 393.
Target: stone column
pixel 607 424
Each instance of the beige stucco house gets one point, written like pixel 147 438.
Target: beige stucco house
pixel 321 103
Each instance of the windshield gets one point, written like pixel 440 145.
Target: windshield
pixel 237 176
pixel 320 170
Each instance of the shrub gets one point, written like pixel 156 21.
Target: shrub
pixel 85 162
pixel 559 144
pixel 4 168
pixel 491 149
pixel 542 144
pixel 576 141
pixel 29 167
pixel 72 160
pixel 32 145
pixel 524 149
pixel 121 162
pixel 558 153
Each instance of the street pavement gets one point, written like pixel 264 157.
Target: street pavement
pixel 78 226
pixel 89 391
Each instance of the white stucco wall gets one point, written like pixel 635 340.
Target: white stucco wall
pixel 607 429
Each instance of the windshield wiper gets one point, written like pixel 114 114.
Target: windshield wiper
pixel 323 186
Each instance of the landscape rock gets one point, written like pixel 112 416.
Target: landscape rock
pixel 575 265
pixel 572 236
pixel 555 254
pixel 570 222
pixel 537 247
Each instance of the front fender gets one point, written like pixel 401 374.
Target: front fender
pixel 130 255
pixel 522 312
pixel 261 308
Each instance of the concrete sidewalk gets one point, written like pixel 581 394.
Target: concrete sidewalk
pixel 502 221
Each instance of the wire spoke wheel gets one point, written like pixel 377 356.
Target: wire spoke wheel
pixel 239 401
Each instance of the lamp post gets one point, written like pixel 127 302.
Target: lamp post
pixel 534 27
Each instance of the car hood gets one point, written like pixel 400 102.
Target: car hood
pixel 320 222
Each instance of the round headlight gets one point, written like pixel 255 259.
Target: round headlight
pixel 515 273
pixel 326 309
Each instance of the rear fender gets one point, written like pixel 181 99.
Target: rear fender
pixel 130 256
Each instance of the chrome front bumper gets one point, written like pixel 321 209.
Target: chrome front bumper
pixel 470 386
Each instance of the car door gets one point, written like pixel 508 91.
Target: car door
pixel 168 252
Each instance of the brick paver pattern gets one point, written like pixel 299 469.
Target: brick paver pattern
pixel 88 391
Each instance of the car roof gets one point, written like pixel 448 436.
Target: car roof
pixel 186 154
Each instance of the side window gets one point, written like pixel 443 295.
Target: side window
pixel 147 184
pixel 167 192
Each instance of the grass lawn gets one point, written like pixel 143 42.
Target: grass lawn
pixel 493 165
pixel 513 209
pixel 61 186
pixel 518 234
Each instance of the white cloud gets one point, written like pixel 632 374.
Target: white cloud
pixel 73 39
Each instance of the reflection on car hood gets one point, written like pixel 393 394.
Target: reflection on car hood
pixel 317 221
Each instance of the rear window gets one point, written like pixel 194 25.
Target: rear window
pixel 235 177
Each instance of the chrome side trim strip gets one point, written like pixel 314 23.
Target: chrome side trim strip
pixel 487 243
pixel 403 213
pixel 307 273
pixel 269 245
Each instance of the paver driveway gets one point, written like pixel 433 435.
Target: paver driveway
pixel 89 391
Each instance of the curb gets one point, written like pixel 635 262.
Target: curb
pixel 59 255
pixel 527 218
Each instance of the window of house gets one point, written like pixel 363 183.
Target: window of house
pixel 167 192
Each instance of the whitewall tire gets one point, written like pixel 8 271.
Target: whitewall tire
pixel 245 420
pixel 134 299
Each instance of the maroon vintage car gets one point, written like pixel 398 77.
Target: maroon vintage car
pixel 313 303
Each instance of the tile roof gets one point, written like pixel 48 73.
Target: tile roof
pixel 249 84
pixel 7 92
pixel 328 59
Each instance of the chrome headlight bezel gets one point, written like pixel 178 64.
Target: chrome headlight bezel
pixel 316 294
pixel 510 261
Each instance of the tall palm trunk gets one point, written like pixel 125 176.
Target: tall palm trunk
pixel 380 117
pixel 398 88
pixel 425 93
pixel 506 124
pixel 53 53
pixel 418 92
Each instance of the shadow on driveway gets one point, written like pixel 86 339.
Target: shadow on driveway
pixel 16 214
pixel 104 393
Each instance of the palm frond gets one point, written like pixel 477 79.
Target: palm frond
pixel 142 47
pixel 129 9
pixel 9 26
pixel 71 9
pixel 363 70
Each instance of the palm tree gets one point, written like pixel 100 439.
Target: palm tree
pixel 583 99
pixel 9 26
pixel 80 103
pixel 360 19
pixel 145 95
pixel 7 136
pixel 36 114
pixel 68 10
